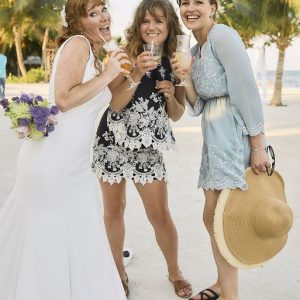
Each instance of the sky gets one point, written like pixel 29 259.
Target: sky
pixel 123 10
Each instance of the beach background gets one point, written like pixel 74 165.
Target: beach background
pixel 291 78
pixel 276 280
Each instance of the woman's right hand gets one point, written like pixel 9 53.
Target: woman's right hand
pixel 177 70
pixel 175 66
pixel 114 64
pixel 145 62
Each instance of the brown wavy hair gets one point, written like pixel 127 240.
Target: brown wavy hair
pixel 211 2
pixel 75 10
pixel 135 43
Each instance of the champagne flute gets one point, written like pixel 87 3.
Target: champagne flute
pixel 184 57
pixel 111 46
pixel 156 51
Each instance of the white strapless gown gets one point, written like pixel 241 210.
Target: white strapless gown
pixel 53 244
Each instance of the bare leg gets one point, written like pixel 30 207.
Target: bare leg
pixel 227 282
pixel 155 199
pixel 114 198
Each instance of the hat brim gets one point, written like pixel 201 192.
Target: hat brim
pixel 220 237
pixel 238 243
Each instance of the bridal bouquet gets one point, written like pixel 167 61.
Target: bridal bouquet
pixel 31 115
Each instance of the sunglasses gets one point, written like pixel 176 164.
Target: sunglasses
pixel 270 151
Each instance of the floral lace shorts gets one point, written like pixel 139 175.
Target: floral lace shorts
pixel 113 163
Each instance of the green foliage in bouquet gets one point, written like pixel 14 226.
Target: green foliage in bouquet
pixel 31 116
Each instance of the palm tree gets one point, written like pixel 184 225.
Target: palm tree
pixel 239 16
pixel 47 21
pixel 14 21
pixel 22 17
pixel 278 19
pixel 283 27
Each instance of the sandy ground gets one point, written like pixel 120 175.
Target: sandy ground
pixel 278 279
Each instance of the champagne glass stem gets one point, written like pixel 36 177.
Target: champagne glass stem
pixel 182 80
pixel 132 83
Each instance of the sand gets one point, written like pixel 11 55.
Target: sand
pixel 278 279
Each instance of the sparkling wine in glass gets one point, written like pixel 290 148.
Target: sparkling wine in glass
pixel 156 51
pixel 111 46
pixel 184 57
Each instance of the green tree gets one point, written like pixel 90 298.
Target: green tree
pixel 19 18
pixel 46 19
pixel 278 19
pixel 283 26
pixel 12 24
pixel 241 17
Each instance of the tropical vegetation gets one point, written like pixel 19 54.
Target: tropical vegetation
pixel 31 26
pixel 27 19
pixel 279 20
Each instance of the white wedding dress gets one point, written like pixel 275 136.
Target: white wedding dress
pixel 53 244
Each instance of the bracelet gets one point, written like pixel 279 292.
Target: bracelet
pixel 129 78
pixel 132 70
pixel 132 83
pixel 257 149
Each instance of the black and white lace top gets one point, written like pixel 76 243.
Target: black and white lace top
pixel 144 122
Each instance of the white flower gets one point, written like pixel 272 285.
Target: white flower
pixel 63 16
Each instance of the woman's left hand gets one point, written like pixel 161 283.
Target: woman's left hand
pixel 166 88
pixel 259 161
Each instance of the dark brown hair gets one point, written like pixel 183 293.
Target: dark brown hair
pixel 211 2
pixel 75 10
pixel 133 33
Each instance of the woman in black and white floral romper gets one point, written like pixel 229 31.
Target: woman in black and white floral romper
pixel 131 137
pixel 129 143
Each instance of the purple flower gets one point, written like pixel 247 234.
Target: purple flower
pixel 26 98
pixel 39 112
pixel 24 122
pixel 54 110
pixel 4 102
pixel 40 116
pixel 40 121
pixel 40 126
pixel 50 127
pixel 38 98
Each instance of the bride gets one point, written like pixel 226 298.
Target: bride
pixel 53 244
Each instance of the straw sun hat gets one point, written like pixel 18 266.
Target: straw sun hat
pixel 252 226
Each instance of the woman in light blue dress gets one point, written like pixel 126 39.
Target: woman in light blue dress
pixel 224 92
